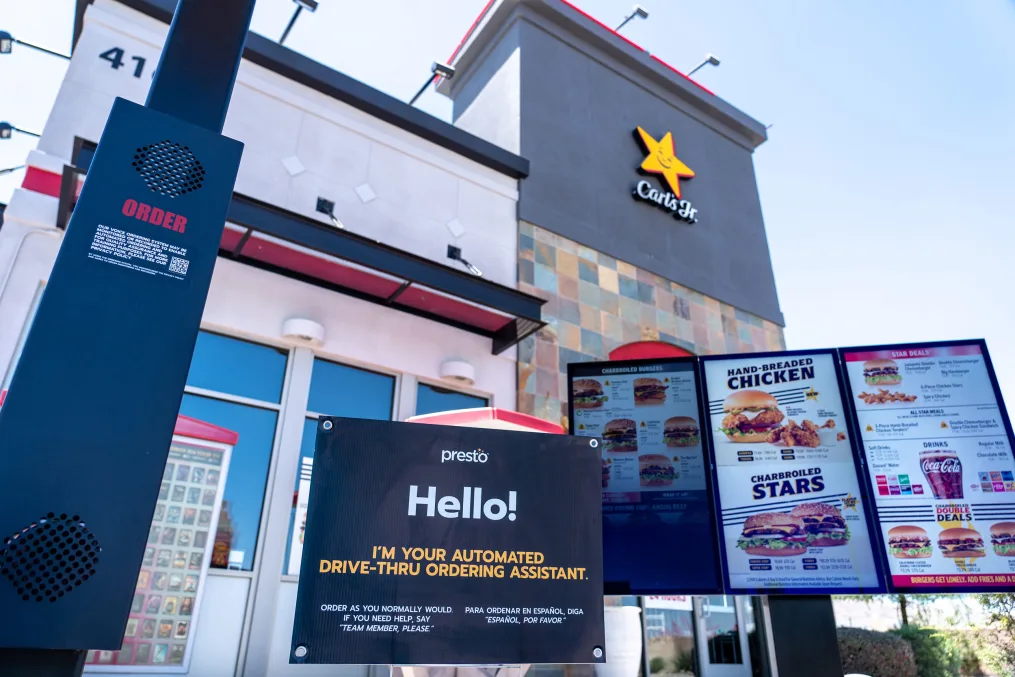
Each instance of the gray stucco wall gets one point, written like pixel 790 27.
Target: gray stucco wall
pixel 578 109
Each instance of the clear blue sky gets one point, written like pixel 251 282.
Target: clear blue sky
pixel 886 181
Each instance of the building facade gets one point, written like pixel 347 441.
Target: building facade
pixel 605 198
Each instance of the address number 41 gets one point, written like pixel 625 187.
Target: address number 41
pixel 115 58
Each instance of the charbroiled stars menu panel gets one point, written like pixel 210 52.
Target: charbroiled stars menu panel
pixel 793 516
pixel 656 499
pixel 940 463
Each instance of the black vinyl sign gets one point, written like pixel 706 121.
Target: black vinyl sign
pixel 444 545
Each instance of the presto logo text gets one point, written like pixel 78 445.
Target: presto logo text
pixel 469 506
pixel 477 456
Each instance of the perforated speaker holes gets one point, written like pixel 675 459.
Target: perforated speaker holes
pixel 168 168
pixel 49 558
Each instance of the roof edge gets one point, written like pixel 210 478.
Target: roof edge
pixel 289 64
pixel 600 37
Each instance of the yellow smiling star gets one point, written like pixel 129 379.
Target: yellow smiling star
pixel 662 159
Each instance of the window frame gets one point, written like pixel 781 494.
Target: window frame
pixel 454 387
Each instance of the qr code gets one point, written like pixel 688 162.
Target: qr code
pixel 178 265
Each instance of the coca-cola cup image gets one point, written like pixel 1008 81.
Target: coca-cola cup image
pixel 943 471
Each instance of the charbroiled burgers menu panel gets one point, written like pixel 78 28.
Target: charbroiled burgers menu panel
pixel 656 498
pixel 794 520
pixel 939 461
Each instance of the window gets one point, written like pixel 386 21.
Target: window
pixel 240 388
pixel 335 390
pixel 434 399
pixel 237 367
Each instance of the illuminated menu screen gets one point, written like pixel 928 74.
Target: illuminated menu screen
pixel 940 465
pixel 658 520
pixel 794 519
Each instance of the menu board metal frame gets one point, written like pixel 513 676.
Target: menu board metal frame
pixel 858 461
pixel 146 575
pixel 578 370
pixel 862 450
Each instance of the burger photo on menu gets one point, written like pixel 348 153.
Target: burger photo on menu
pixel 750 416
pixel 681 431
pixel 620 435
pixel 824 524
pixel 1002 537
pixel 881 373
pixel 588 393
pixel 909 542
pixel 959 542
pixel 649 391
pixel 774 534
pixel 655 470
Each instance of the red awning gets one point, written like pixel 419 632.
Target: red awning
pixel 490 417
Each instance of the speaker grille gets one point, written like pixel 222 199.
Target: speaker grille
pixel 168 168
pixel 49 558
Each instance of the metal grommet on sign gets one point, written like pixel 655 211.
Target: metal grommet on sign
pixel 597 652
pixel 301 651
pixel 327 426
pixel 593 443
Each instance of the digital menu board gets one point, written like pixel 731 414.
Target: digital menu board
pixel 793 517
pixel 938 446
pixel 658 520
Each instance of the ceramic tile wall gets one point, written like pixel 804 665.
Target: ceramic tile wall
pixel 596 303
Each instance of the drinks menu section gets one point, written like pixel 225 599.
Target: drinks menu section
pixel 656 497
pixel 793 518
pixel 940 463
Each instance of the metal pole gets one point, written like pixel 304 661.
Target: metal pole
pixel 195 77
pixel 41 49
pixel 423 89
pixel 292 22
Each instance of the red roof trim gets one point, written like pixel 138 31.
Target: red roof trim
pixel 597 21
pixel 472 29
pixel 681 74
pixel 475 24
pixel 467 416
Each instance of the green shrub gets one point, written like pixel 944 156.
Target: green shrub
pixel 935 656
pixel 657 664
pixel 966 644
pixel 684 662
pixel 878 654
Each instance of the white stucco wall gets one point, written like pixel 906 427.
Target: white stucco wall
pixel 409 191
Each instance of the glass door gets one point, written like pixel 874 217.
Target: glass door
pixel 722 637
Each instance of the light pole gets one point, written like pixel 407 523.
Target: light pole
pixel 636 11
pixel 7 130
pixel 7 42
pixel 437 70
pixel 309 5
pixel 10 170
pixel 710 60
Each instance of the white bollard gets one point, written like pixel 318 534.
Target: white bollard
pixel 623 642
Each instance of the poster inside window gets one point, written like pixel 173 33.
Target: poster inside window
pixel 179 551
